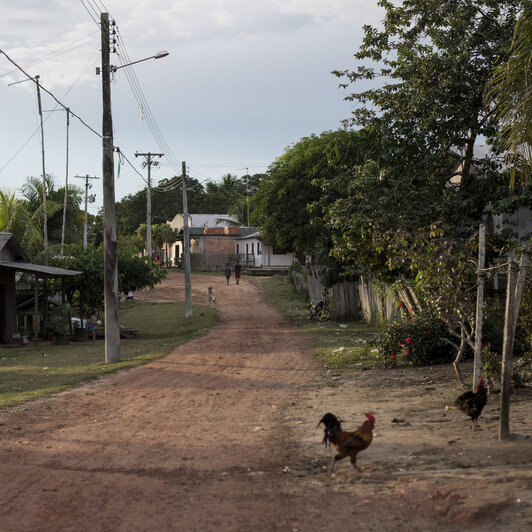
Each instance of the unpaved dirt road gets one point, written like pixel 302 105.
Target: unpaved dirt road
pixel 221 435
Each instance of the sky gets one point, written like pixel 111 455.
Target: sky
pixel 244 79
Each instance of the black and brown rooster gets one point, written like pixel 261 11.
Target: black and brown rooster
pixel 347 443
pixel 472 403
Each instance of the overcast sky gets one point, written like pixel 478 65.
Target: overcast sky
pixel 244 80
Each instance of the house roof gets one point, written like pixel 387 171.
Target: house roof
pixel 249 232
pixel 39 269
pixel 210 220
pixel 7 240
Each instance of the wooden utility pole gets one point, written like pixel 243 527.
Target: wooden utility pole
pixel 66 183
pixel 45 214
pixel 477 362
pixel 186 247
pixel 87 186
pixel 507 351
pixel 515 286
pixel 112 328
pixel 148 163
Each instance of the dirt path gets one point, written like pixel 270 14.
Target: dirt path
pixel 220 435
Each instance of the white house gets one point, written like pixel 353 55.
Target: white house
pixel 255 251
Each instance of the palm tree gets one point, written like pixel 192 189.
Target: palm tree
pixel 510 91
pixel 14 217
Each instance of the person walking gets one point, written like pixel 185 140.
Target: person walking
pixel 93 321
pixel 238 267
pixel 227 272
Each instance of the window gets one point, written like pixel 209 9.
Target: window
pixel 253 248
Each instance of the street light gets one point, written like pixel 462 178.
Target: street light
pixel 112 328
pixel 158 55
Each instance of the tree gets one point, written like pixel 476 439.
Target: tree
pixel 291 187
pixel 87 290
pixel 511 97
pixel 437 57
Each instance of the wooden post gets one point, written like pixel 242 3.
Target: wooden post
pixel 507 351
pixel 477 362
pixel 36 313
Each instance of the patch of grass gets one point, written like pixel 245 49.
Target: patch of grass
pixel 31 372
pixel 341 346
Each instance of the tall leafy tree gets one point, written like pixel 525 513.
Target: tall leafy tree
pixel 285 205
pixel 436 58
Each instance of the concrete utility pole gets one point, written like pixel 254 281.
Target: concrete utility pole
pixel 45 214
pixel 112 328
pixel 87 199
pixel 148 163
pixel 186 247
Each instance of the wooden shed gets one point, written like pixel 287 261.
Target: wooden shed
pixel 13 261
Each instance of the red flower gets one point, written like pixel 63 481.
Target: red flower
pixel 399 344
pixel 393 355
pixel 406 351
pixel 409 310
pixel 428 332
pixel 401 304
pixel 494 248
pixel 408 340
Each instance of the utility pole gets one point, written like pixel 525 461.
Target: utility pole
pixel 247 192
pixel 45 215
pixel 148 162
pixel 112 328
pixel 186 247
pixel 87 199
pixel 66 183
pixel 481 274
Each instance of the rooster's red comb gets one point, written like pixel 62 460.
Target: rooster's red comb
pixel 371 418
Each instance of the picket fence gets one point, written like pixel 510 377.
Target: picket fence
pixel 356 300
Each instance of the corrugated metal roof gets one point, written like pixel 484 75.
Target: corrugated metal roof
pixel 44 271
pixel 4 239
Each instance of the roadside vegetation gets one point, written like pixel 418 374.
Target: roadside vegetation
pixel 341 346
pixel 32 372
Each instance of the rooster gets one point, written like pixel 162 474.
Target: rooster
pixel 347 443
pixel 472 403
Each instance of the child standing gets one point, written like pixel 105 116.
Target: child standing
pixel 93 321
pixel 227 272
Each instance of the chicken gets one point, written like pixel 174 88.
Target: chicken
pixel 347 443
pixel 472 403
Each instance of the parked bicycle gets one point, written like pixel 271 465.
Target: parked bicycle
pixel 320 308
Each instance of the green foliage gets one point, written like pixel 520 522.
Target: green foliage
pixel 87 290
pixel 414 340
pixel 286 205
pixel 509 95
pixel 438 58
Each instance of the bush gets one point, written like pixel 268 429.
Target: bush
pixel 414 340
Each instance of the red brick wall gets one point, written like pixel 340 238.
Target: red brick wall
pixel 219 245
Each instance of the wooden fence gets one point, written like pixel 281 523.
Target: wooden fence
pixel 212 262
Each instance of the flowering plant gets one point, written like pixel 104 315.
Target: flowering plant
pixel 414 340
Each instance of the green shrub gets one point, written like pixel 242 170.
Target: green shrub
pixel 414 340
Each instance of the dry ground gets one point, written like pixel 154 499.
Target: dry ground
pixel 221 435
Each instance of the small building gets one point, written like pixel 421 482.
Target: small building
pixel 13 263
pixel 174 250
pixel 258 253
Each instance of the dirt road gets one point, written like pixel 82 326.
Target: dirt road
pixel 220 435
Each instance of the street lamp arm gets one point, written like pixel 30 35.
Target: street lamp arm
pixel 158 55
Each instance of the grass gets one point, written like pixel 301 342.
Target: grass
pixel 341 346
pixel 31 372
